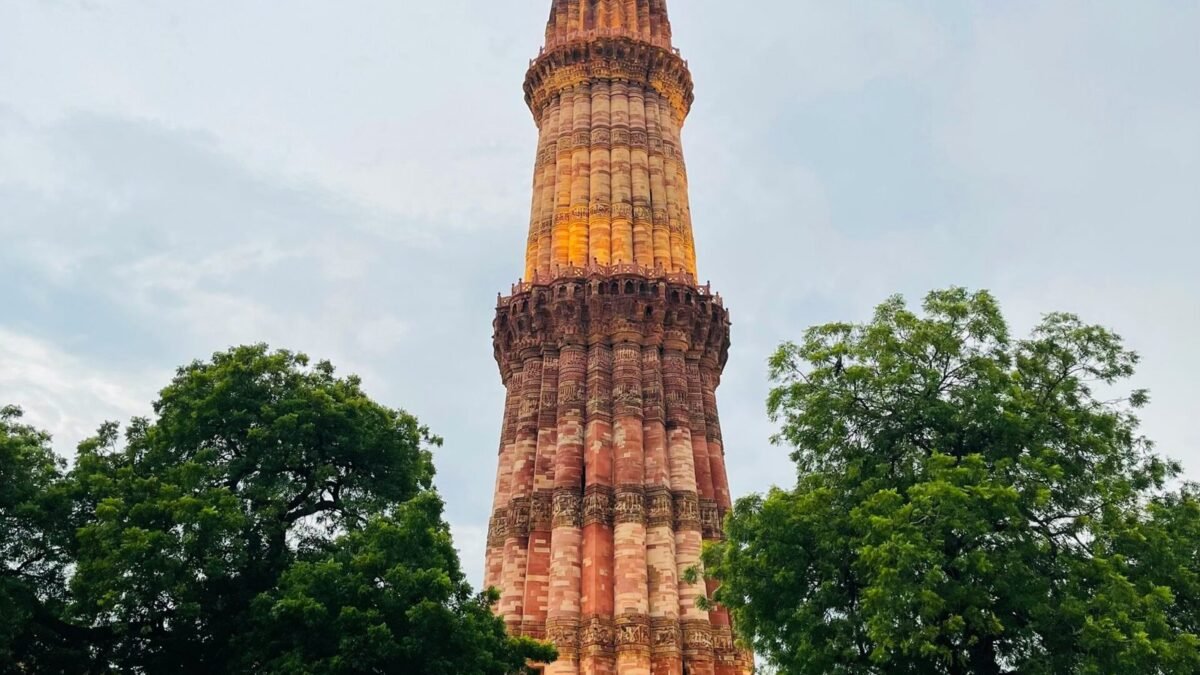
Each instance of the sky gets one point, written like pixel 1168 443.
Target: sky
pixel 352 180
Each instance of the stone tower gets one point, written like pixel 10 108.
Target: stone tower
pixel 612 468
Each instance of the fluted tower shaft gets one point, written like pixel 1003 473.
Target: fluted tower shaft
pixel 609 95
pixel 611 462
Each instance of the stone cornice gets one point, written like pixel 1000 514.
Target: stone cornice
pixel 609 58
pixel 610 310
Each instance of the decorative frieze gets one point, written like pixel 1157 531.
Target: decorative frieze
pixel 533 629
pixel 498 528
pixel 564 634
pixel 542 511
pixel 697 637
pixel 598 505
pixel 665 636
pixel 725 650
pixel 641 64
pixel 660 507
pixel 627 399
pixel 633 632
pixel 710 520
pixel 631 504
pixel 598 633
pixel 652 396
pixel 567 508
pixel 518 517
pixel 677 406
pixel 571 394
pixel 687 511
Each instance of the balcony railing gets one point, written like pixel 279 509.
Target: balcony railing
pixel 607 272
pixel 558 40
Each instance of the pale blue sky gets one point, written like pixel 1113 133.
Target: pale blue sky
pixel 351 179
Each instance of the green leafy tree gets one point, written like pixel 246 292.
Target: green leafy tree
pixel 252 460
pixel 265 491
pixel 34 552
pixel 966 503
pixel 387 599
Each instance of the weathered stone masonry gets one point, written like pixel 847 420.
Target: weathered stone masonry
pixel 611 464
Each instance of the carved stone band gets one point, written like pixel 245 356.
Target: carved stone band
pixel 518 517
pixel 564 633
pixel 598 635
pixel 687 511
pixel 542 514
pixel 724 648
pixel 561 69
pixel 533 629
pixel 498 528
pixel 598 505
pixel 660 507
pixel 710 520
pixel 631 504
pixel 633 633
pixel 697 638
pixel 567 508
pixel 664 635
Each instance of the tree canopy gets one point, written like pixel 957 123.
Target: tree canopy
pixel 270 518
pixel 34 550
pixel 385 597
pixel 966 502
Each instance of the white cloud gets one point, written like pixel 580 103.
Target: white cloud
pixel 65 393
pixel 354 99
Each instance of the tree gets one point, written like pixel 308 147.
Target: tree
pixel 966 503
pixel 262 482
pixel 387 599
pixel 34 551
pixel 254 459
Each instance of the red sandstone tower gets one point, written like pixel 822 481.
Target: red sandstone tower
pixel 612 469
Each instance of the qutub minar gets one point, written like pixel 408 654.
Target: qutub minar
pixel 612 468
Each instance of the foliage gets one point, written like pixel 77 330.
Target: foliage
pixel 388 598
pixel 261 478
pixel 966 503
pixel 33 550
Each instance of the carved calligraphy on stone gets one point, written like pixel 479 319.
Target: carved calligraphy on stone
pixel 687 511
pixel 631 504
pixel 598 505
pixel 566 508
pixel 518 517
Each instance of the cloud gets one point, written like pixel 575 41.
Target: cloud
pixel 65 395
pixel 179 177
pixel 355 100
pixel 146 246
